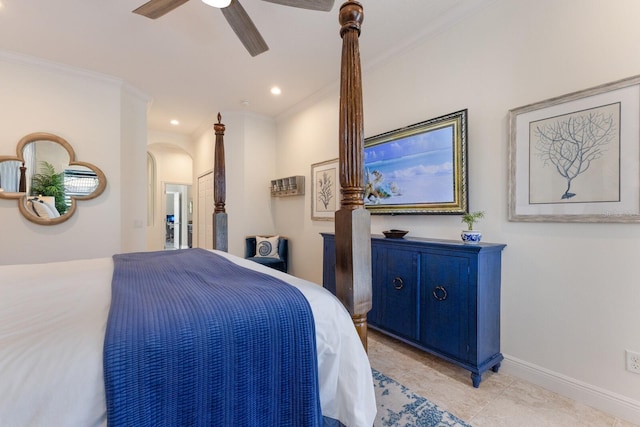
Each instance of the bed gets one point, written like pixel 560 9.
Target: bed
pixel 52 324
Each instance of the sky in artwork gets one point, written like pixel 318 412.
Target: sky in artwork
pixel 414 169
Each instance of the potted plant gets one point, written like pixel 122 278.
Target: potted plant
pixel 470 235
pixel 50 183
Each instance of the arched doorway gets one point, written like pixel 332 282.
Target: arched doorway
pixel 172 183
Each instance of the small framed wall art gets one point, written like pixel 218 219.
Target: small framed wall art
pixel 325 190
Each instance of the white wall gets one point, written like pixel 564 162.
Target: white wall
pixel 260 167
pixel 133 160
pixel 105 122
pixel 303 139
pixel 571 298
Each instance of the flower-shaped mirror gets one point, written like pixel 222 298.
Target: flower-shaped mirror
pixel 47 180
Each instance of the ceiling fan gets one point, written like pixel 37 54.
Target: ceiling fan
pixel 235 15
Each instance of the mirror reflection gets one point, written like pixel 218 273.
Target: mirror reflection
pixel 10 176
pixel 47 180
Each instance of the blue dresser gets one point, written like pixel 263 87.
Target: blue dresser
pixel 441 296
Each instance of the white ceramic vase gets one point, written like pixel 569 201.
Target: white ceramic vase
pixel 471 237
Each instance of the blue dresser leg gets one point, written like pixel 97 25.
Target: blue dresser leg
pixel 496 367
pixel 476 378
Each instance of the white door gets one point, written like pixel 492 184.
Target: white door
pixel 205 211
pixel 177 224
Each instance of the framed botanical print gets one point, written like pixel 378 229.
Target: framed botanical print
pixel 575 158
pixel 325 190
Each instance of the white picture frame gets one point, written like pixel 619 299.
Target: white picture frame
pixel 576 158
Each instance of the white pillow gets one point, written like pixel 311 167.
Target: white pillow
pixel 41 209
pixel 54 212
pixel 50 202
pixel 267 246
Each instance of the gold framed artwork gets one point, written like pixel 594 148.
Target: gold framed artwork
pixel 419 169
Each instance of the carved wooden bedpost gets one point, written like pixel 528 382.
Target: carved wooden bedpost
pixel 220 233
pixel 353 222
pixel 22 186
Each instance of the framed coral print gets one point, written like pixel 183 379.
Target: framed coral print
pixel 325 190
pixel 419 169
pixel 575 158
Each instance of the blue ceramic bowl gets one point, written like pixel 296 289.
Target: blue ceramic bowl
pixel 471 237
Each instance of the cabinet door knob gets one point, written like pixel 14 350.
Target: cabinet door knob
pixel 440 293
pixel 397 283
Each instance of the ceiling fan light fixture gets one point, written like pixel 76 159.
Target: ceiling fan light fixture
pixel 220 4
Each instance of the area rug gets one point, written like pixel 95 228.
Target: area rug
pixel 399 407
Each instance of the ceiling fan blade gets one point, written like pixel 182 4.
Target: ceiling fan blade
pixel 323 5
pixel 244 28
pixel 156 8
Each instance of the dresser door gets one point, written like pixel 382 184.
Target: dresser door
pixel 444 300
pixel 398 284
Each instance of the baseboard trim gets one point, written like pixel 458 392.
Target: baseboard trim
pixel 604 400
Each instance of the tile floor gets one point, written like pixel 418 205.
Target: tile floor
pixel 501 400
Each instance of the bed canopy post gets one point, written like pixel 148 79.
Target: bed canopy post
pixel 22 186
pixel 220 232
pixel 352 221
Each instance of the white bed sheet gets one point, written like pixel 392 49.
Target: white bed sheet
pixel 52 323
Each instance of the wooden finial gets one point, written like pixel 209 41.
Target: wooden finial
pixel 219 127
pixel 351 16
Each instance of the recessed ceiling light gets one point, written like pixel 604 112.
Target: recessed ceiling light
pixel 275 90
pixel 174 122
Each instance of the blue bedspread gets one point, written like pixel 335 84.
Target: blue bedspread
pixel 195 340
